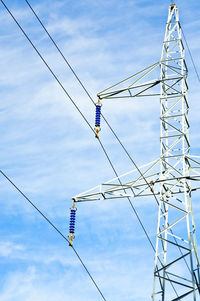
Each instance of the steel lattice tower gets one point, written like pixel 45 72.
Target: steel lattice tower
pixel 171 178
pixel 175 217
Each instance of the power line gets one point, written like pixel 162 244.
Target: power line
pixel 90 97
pixel 190 53
pixel 66 61
pixel 63 236
pixel 86 91
pixel 106 154
pixel 56 78
pixel 116 136
pixel 88 94
pixel 131 204
pixel 55 228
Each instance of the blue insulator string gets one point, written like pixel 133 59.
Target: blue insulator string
pixel 72 221
pixel 72 224
pixel 98 118
pixel 98 115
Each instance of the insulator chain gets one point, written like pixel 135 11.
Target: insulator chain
pixel 72 224
pixel 98 119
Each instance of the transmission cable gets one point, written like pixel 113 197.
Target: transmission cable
pixel 90 97
pixel 56 78
pixel 93 131
pixel 190 53
pixel 134 210
pixel 88 94
pixel 63 236
pixel 108 124
pixel 55 228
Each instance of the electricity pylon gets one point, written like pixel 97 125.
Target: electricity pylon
pixel 171 178
pixel 175 216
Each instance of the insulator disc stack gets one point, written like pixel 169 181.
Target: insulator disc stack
pixel 72 221
pixel 98 118
pixel 98 115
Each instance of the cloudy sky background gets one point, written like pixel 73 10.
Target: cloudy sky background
pixel 51 154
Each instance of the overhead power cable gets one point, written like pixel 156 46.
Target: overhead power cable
pixel 116 136
pixel 190 53
pixel 88 94
pixel 90 97
pixel 66 61
pixel 63 236
pixel 56 78
pixel 55 228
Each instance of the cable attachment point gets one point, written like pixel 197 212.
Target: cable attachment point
pixel 72 224
pixel 98 118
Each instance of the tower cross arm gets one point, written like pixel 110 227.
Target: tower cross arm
pixel 133 86
pixel 119 187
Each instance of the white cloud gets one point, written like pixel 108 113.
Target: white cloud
pixel 8 248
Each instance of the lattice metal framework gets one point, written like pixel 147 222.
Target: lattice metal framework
pixel 175 218
pixel 172 177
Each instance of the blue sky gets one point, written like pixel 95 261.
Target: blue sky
pixel 51 154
